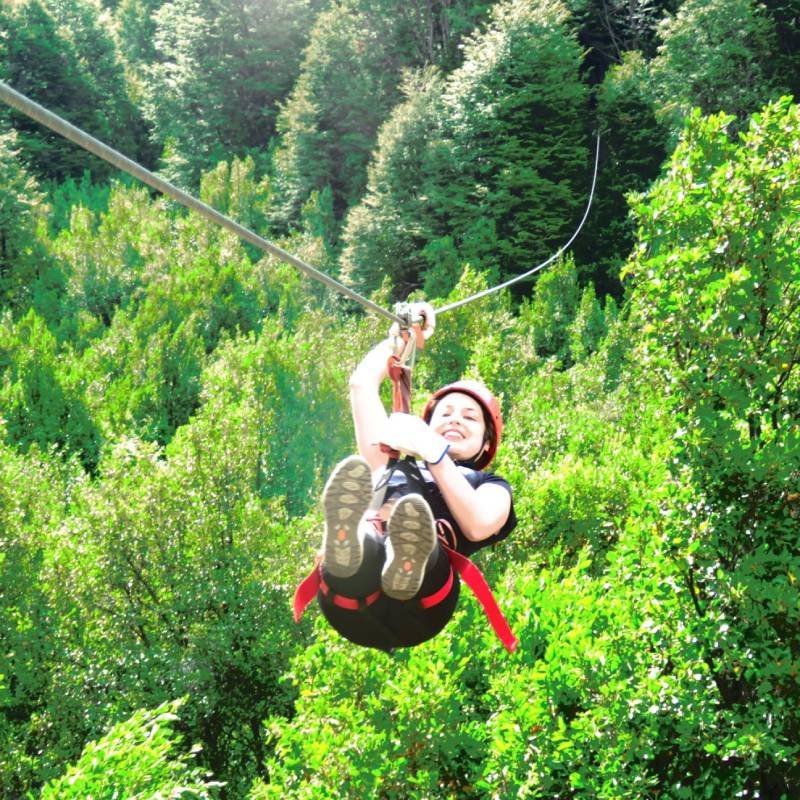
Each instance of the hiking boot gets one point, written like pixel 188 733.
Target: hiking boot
pixel 411 538
pixel 345 498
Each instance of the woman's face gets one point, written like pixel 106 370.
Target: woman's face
pixel 459 419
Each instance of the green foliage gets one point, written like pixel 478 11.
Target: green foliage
pixel 611 28
pixel 633 145
pixel 503 158
pixel 588 328
pixel 220 70
pixel 717 287
pixel 652 447
pixel 387 232
pixel 105 255
pixel 26 277
pixel 713 56
pixel 136 23
pixel 410 722
pixel 65 195
pixel 351 78
pixel 180 575
pixel 62 55
pixel 551 312
pixel 232 189
pixel 40 402
pixel 783 65
pixel 346 87
pixel 718 290
pixel 137 759
pixel 166 289
pixel 32 491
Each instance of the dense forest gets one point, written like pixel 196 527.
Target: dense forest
pixel 172 399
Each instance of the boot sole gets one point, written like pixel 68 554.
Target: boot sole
pixel 412 535
pixel 346 497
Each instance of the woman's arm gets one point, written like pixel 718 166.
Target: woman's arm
pixel 481 512
pixel 369 415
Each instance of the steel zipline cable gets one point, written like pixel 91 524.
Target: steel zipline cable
pixel 538 267
pixel 55 123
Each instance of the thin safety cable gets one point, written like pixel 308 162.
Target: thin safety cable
pixel 55 123
pixel 538 267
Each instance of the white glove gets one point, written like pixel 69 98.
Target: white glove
pixel 428 314
pixel 411 435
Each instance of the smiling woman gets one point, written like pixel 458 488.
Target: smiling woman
pixel 398 532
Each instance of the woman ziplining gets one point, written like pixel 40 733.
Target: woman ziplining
pixel 399 533
pixel 411 573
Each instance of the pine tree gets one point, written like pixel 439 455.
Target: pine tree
pixel 222 67
pixel 713 55
pixel 501 166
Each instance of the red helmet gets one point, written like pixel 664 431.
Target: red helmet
pixel 491 410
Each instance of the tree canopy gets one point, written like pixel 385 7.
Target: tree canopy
pixel 172 399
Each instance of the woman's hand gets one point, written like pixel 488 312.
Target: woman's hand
pixel 410 434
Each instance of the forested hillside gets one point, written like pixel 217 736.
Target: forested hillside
pixel 172 399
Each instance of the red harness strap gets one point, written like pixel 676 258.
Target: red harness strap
pixel 473 577
pixel 350 603
pixel 306 592
pixel 468 572
pixel 314 582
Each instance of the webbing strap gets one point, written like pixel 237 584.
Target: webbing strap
pixel 306 592
pixel 400 375
pixel 473 577
pixel 314 582
pixel 466 570
pixel 439 596
pixel 350 603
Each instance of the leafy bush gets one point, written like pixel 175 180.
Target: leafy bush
pixel 136 759
pixel 717 295
pixel 40 403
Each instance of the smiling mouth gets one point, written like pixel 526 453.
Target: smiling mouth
pixel 453 435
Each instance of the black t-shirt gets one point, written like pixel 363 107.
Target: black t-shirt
pixel 399 485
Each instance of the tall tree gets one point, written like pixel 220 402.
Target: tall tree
pixel 503 169
pixel 62 55
pixel 386 233
pixel 222 67
pixel 713 54
pixel 346 88
pixel 351 79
